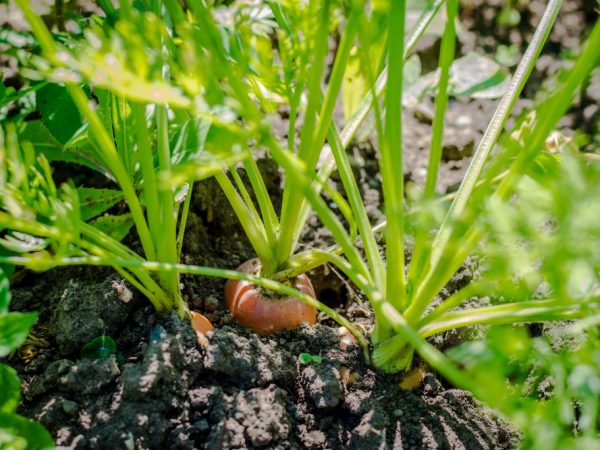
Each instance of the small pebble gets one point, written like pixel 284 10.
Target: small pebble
pixel 347 339
pixel 70 407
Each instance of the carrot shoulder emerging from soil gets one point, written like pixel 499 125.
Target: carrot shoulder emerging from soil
pixel 200 323
pixel 256 309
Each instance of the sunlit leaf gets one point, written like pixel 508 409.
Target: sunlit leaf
pixel 10 392
pixel 4 292
pixel 188 142
pixel 59 113
pixel 117 227
pixel 77 150
pixel 14 328
pixel 16 431
pixel 478 76
pixel 354 85
pixel 94 202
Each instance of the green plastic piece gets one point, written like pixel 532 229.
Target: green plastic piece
pixel 98 348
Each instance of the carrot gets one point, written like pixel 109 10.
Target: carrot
pixel 252 308
pixel 200 323
pixel 202 326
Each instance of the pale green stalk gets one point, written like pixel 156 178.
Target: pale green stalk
pixel 253 227
pixel 146 161
pixel 376 266
pixel 494 129
pixel 422 247
pixel 365 106
pixel 296 170
pixel 183 219
pixel 269 216
pixel 307 152
pixel 511 313
pixel 428 285
pixel 167 245
pixel 441 100
pixel 247 200
pixel 26 226
pixel 119 124
pixel 391 169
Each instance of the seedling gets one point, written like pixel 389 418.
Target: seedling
pixel 307 358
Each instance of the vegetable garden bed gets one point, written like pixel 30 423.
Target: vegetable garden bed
pixel 105 368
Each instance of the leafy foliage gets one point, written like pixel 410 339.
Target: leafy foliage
pixel 550 230
pixel 15 431
pixel 551 394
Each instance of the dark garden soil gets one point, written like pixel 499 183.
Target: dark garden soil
pixel 164 390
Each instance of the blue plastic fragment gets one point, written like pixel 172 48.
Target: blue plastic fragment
pixel 157 334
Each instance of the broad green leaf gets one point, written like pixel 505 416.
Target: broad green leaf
pixel 83 147
pixel 223 138
pixel 104 107
pixel 354 85
pixel 94 202
pixel 116 227
pixel 412 70
pixel 478 76
pixel 222 148
pixel 14 328
pixel 17 432
pixel 473 75
pixel 39 135
pixel 4 292
pixel 76 151
pixel 10 394
pixel 188 142
pixel 59 113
